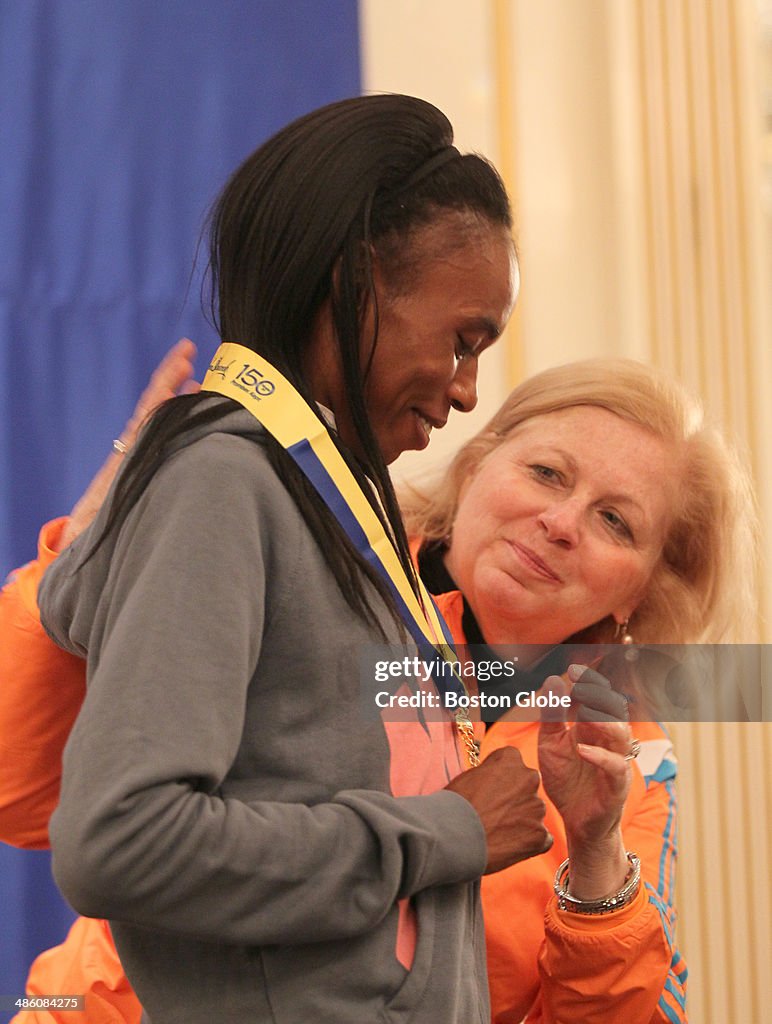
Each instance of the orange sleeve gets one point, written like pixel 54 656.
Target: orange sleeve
pixel 551 966
pixel 624 966
pixel 86 964
pixel 41 691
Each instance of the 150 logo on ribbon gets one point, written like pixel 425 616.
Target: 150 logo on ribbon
pixel 248 378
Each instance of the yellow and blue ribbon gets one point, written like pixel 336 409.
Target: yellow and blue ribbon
pixel 241 374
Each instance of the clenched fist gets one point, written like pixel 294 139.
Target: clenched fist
pixel 505 795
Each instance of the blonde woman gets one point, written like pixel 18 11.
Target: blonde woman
pixel 595 506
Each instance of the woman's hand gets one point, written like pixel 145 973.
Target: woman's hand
pixel 587 777
pixel 504 792
pixel 172 376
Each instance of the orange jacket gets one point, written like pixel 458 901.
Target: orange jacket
pixel 86 963
pixel 553 966
pixel 41 691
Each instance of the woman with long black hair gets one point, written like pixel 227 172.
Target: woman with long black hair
pixel 262 849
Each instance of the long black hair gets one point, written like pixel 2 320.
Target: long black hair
pixel 296 226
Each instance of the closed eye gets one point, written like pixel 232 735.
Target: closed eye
pixel 463 349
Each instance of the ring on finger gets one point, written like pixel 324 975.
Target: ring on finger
pixel 634 751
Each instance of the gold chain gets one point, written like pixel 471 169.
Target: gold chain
pixel 470 744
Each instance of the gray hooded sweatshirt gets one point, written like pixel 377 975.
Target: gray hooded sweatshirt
pixel 226 803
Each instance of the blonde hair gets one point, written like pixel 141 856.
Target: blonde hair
pixel 702 589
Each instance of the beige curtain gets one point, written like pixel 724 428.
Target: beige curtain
pixel 638 175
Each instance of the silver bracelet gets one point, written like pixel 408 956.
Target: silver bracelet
pixel 608 904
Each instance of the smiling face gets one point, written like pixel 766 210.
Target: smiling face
pixel 562 525
pixel 431 331
pixel 431 336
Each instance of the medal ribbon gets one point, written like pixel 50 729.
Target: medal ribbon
pixel 241 374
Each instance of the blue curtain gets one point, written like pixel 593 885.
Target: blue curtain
pixel 120 121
